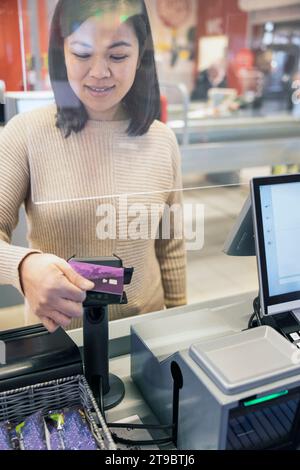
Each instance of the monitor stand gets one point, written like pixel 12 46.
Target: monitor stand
pixel 285 323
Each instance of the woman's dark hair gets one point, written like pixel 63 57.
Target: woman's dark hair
pixel 142 102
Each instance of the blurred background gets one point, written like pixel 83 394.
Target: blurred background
pixel 229 72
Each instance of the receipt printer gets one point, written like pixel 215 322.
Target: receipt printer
pixel 238 390
pixel 32 355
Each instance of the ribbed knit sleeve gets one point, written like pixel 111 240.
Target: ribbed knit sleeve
pixel 171 252
pixel 14 184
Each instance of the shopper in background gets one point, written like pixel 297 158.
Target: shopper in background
pixel 101 139
pixel 212 77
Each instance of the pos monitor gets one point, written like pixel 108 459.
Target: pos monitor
pixel 269 227
pixel 276 221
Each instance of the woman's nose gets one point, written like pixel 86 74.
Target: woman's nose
pixel 100 69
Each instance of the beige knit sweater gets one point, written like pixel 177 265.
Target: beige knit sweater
pixel 64 184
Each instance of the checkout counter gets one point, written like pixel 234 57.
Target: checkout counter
pixel 212 142
pixel 218 138
pixel 213 145
pixel 243 139
pixel 215 319
pixel 260 413
pixel 232 311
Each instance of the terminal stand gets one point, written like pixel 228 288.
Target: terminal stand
pixel 95 347
pixel 108 389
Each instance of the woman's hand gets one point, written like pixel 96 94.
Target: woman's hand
pixel 54 291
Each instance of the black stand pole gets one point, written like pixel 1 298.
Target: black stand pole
pixel 108 389
pixel 96 357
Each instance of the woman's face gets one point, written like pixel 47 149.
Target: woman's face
pixel 102 58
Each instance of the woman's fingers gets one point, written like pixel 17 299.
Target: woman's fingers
pixel 74 277
pixel 59 319
pixel 54 291
pixel 49 324
pixel 68 308
pixel 67 290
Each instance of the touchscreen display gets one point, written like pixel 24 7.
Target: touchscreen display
pixel 281 228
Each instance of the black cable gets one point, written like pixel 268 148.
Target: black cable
pixel 126 425
pixel 250 322
pixel 256 313
pixel 177 386
pixel 256 308
pixel 139 426
pixel 120 440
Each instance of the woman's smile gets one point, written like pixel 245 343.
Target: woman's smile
pixel 100 92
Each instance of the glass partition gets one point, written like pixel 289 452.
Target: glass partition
pixel 229 80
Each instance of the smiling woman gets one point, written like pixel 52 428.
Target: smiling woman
pixel 101 143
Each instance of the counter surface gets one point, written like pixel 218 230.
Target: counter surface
pixel 235 142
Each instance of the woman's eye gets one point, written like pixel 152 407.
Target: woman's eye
pixel 118 58
pixel 81 56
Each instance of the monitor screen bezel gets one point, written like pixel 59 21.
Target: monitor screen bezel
pixel 267 301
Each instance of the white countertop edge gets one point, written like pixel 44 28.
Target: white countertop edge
pixel 121 328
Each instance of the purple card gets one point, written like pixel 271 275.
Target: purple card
pixel 107 279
